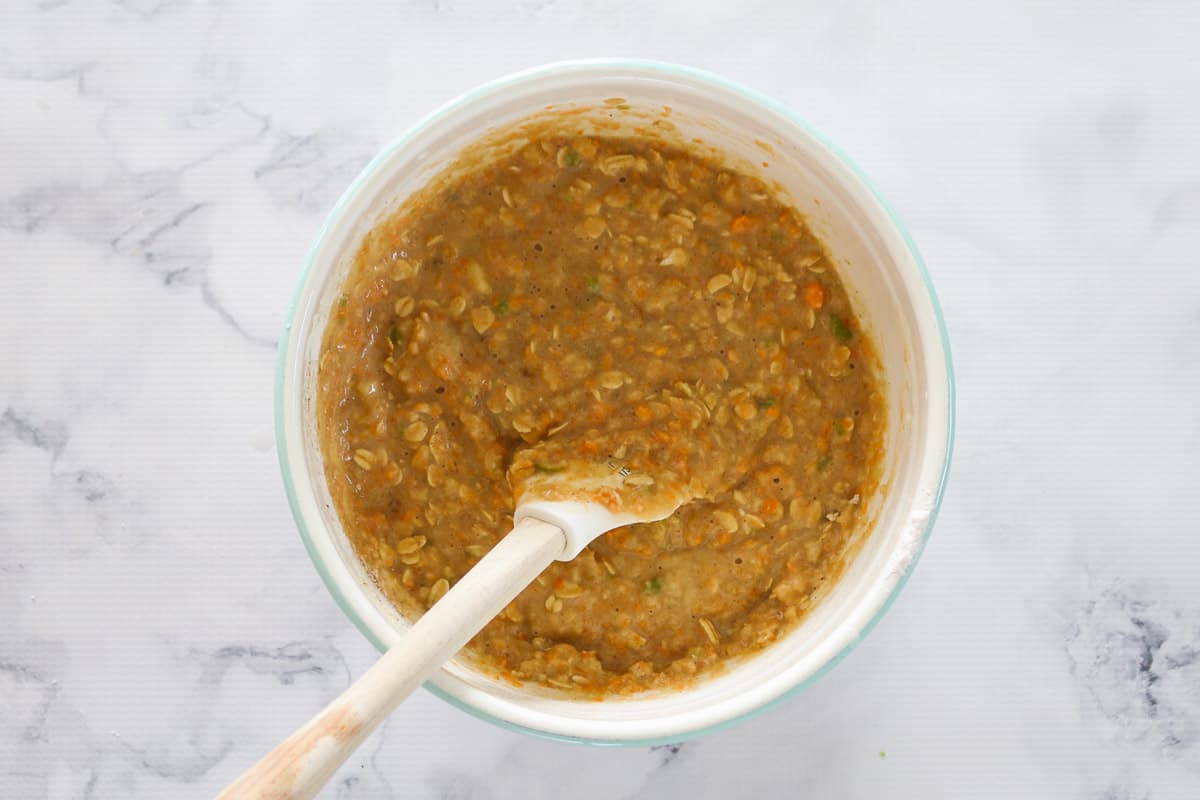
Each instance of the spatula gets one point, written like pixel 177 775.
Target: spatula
pixel 543 531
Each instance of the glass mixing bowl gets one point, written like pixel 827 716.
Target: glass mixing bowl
pixel 892 296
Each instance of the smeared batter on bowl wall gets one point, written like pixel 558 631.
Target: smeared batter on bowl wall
pixel 591 304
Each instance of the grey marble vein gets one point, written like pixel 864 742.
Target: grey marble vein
pixel 310 171
pixel 1140 665
pixel 49 435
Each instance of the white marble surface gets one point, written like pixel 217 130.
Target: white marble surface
pixel 163 168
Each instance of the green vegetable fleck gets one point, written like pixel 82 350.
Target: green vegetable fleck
pixel 548 469
pixel 395 336
pixel 502 306
pixel 825 461
pixel 574 159
pixel 778 236
pixel 883 753
pixel 653 586
pixel 593 286
pixel 840 329
pixel 839 428
pixel 343 300
pixel 764 403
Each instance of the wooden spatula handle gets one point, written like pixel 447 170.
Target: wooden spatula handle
pixel 302 764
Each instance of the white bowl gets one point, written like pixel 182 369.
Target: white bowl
pixel 891 294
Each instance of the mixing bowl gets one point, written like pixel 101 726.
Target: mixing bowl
pixel 888 286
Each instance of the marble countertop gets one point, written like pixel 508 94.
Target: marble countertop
pixel 164 165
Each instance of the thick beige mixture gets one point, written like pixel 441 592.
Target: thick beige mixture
pixel 588 305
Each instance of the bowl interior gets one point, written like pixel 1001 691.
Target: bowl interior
pixel 877 264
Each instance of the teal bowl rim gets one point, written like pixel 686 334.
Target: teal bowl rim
pixel 666 69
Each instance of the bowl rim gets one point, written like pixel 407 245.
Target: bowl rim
pixel 630 66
